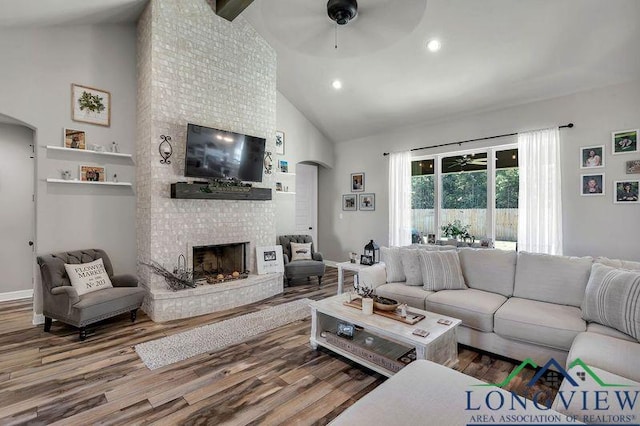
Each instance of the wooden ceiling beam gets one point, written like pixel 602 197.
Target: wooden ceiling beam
pixel 229 9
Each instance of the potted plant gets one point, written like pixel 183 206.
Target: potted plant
pixel 455 230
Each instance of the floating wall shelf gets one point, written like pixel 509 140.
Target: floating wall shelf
pixel 88 151
pixel 82 182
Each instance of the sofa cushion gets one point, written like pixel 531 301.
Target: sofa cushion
pixel 474 307
pixel 489 269
pixel 607 353
pixel 554 279
pixel 411 267
pixel 621 264
pixel 393 262
pixel 103 303
pixel 613 299
pixel 541 323
pixel 594 327
pixel 411 295
pixel 441 270
pixel 88 277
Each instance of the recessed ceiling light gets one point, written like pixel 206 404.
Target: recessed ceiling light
pixel 434 45
pixel 337 84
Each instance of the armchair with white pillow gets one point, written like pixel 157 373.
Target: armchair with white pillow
pixel 300 258
pixel 79 288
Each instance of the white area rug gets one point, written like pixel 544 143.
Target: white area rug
pixel 213 337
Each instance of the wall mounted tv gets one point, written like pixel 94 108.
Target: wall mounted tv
pixel 219 154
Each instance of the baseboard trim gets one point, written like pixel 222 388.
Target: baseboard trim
pixel 16 295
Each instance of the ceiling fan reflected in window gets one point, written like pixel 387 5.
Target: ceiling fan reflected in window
pixel 467 160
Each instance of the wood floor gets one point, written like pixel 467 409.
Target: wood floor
pixel 276 378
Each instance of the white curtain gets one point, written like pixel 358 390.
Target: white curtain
pixel 400 199
pixel 540 201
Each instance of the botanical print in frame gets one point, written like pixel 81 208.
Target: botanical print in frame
pixel 350 202
pixel 591 185
pixel 633 167
pixel 90 105
pixel 279 142
pixel 624 141
pixel 626 191
pixel 357 182
pixel 367 202
pixel 93 174
pixel 75 139
pixel 592 157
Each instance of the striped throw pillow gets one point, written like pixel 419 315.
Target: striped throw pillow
pixel 441 270
pixel 393 264
pixel 612 298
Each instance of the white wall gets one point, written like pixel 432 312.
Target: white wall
pixel 592 225
pixel 38 68
pixel 303 143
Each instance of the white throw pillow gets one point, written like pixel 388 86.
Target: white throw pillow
pixel 300 251
pixel 411 266
pixel 88 277
pixel 441 270
pixel 393 262
pixel 612 298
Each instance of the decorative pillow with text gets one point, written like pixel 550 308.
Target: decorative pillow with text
pixel 300 251
pixel 88 277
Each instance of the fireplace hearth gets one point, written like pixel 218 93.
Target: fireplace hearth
pixel 220 262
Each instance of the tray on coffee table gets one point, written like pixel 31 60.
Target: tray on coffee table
pixel 411 319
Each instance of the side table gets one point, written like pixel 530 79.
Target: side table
pixel 348 266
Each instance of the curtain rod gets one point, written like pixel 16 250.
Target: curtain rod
pixel 568 126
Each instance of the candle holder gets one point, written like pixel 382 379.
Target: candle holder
pixel 165 149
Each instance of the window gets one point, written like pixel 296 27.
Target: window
pixel 507 186
pixel 465 187
pixel 464 191
pixel 422 199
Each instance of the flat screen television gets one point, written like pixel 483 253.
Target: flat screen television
pixel 219 154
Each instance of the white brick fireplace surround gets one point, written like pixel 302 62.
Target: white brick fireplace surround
pixel 194 67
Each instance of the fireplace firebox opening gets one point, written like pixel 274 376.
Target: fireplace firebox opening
pixel 220 262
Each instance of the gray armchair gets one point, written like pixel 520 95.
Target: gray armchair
pixel 60 300
pixel 301 268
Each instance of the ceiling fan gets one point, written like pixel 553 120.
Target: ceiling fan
pixel 365 26
pixel 467 160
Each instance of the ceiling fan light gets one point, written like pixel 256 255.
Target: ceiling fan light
pixel 342 11
pixel 434 45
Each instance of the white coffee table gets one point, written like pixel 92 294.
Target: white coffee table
pixel 441 345
pixel 348 266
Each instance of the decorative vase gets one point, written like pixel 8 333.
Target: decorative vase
pixel 367 305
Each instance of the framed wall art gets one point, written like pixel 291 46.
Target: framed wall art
pixel 269 259
pixel 279 142
pixel 350 202
pixel 633 167
pixel 592 184
pixel 624 142
pixel 75 139
pixel 592 157
pixel 357 182
pixel 90 105
pixel 626 191
pixel 367 202
pixel 93 174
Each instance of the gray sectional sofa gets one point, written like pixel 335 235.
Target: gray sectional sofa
pixel 523 305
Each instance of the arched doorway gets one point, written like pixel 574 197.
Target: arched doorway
pixel 17 215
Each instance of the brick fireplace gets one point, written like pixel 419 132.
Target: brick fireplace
pixel 194 67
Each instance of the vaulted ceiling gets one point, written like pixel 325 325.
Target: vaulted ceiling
pixel 495 53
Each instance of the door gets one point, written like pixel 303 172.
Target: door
pixel 17 211
pixel 307 201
